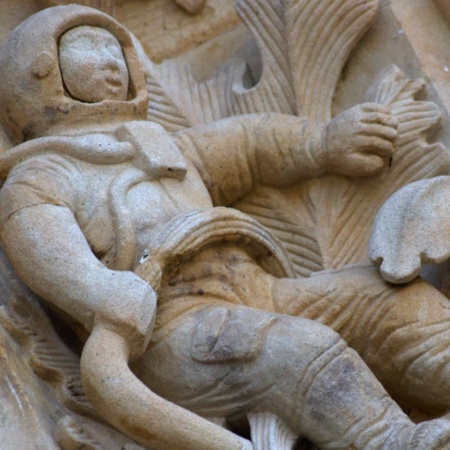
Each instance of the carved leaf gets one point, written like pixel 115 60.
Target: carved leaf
pixel 178 101
pixel 411 229
pixel 304 46
pixel 47 355
pixel 292 224
pixel 274 92
pixel 268 431
pixel 164 90
pixel 322 35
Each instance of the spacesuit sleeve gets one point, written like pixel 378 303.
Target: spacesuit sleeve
pixel 47 179
pixel 272 149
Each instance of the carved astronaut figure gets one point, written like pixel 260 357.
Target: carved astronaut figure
pixel 92 186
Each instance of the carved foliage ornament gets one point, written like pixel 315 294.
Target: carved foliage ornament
pixel 304 46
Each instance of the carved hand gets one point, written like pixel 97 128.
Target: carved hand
pixel 132 314
pixel 359 140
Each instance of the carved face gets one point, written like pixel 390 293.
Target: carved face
pixel 92 65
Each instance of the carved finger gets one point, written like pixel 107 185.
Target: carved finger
pixel 365 165
pixel 380 118
pixel 374 145
pixel 375 107
pixel 377 130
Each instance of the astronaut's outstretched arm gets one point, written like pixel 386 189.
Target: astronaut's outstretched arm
pixel 280 150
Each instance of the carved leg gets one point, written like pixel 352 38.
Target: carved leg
pixel 131 407
pixel 402 333
pixel 297 369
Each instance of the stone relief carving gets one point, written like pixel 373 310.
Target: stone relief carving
pixel 186 237
pixel 108 6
